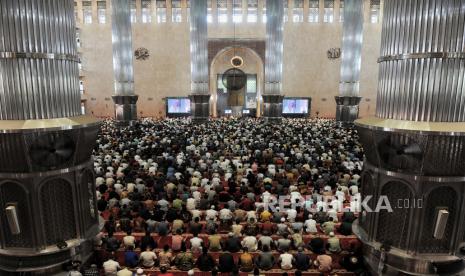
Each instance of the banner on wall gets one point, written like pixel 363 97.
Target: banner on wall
pixel 251 102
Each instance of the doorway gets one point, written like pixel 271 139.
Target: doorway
pixel 246 102
pixel 241 102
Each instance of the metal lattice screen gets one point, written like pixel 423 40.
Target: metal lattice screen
pixel 251 95
pixel 367 189
pixel 88 199
pixel 341 11
pixel 443 197
pixel 393 226
pixel 375 7
pixel 251 83
pixel 298 11
pixel 161 11
pixel 12 145
pixel 237 11
pixel 87 11
pixel 58 218
pixel 313 11
pixel 222 11
pixel 329 11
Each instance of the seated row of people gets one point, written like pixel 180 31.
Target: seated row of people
pixel 232 243
pixel 185 260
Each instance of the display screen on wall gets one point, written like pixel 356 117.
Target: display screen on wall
pixel 295 106
pixel 179 105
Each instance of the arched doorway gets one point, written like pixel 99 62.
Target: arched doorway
pixel 58 214
pixel 254 69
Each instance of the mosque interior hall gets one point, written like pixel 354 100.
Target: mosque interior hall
pixel 232 137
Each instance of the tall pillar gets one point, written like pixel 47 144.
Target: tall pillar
pixel 125 100
pixel 200 97
pixel 348 100
pixel 272 96
pixel 48 211
pixel 415 146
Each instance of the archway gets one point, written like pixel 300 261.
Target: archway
pixel 394 227
pixel 443 197
pixel 58 214
pixel 252 66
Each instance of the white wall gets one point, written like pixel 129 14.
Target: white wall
pixel 307 72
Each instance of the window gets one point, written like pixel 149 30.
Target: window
pixel 146 6
pixel 298 11
pixel 101 11
pixel 83 108
pixel 251 88
pixel 374 11
pixel 56 202
pixel 209 11
pixel 329 11
pixel 87 12
pixel 264 12
pixel 313 11
pixel 252 6
pixel 76 16
pixel 251 83
pixel 237 11
pixel 220 84
pixel 341 11
pixel 176 12
pixel 222 10
pixel 133 11
pixel 81 87
pixel 161 11
pixel 390 231
pixel 286 4
pixel 188 11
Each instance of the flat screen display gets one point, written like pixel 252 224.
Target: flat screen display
pixel 295 106
pixel 180 105
pixel 245 111
pixel 227 111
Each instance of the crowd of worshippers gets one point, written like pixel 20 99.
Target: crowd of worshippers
pixel 218 187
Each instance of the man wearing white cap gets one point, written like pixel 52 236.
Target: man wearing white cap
pixel 291 214
pixel 283 228
pixel 124 272
pixel 334 245
pixel 226 215
pixel 310 225
pixel 140 272
pixel 211 214
pixel 250 242
pixel 111 267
